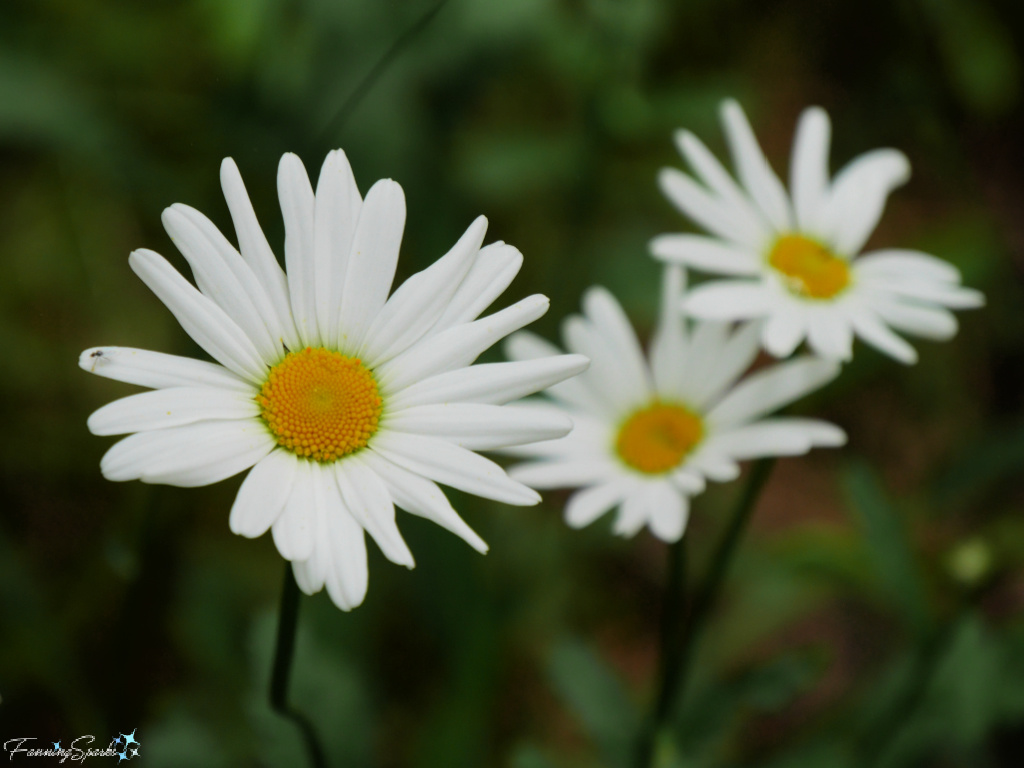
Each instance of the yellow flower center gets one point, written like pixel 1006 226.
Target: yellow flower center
pixel 320 404
pixel 655 439
pixel 810 268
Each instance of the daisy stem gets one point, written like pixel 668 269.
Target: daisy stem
pixel 672 612
pixel 678 638
pixel 287 623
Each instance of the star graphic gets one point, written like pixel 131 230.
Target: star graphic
pixel 130 738
pixel 56 746
pixel 121 756
pixel 135 751
pixel 117 740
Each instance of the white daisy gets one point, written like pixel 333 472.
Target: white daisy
pixel 793 258
pixel 344 402
pixel 648 434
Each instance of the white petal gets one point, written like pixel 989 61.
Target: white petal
pixel 223 276
pixel 784 436
pixel 829 333
pixel 158 370
pixel 618 385
pixel 689 482
pixel 480 427
pixel 298 205
pixel 588 504
pixel 707 254
pixel 753 169
pixel 747 219
pixel 707 339
pixel 711 213
pixel 450 465
pixel 634 513
pixel 899 264
pixel 934 323
pixel 201 319
pixel 669 344
pixel 569 473
pixel 421 497
pixel 858 197
pixel 256 251
pixel 670 510
pixel 458 346
pixel 263 494
pixel 495 267
pixel 372 262
pixel 188 456
pixel 495 383
pixel 871 329
pixel 367 499
pixel 590 436
pixel 784 329
pixel 296 527
pixel 717 372
pixel 728 300
pixel 770 389
pixel 611 323
pixel 525 346
pixel 944 294
pixel 337 204
pixel 171 407
pixel 809 169
pixel 419 301
pixel 713 465
pixel 347 575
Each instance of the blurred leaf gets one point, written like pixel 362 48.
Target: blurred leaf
pixel 994 457
pixel 889 543
pixel 180 738
pixel 529 756
pixel 979 53
pixel 596 696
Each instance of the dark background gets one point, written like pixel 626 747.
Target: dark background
pixel 874 613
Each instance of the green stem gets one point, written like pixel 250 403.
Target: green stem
pixel 366 84
pixel 679 638
pixel 672 613
pixel 287 623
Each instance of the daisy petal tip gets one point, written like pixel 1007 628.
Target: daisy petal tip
pixel 92 358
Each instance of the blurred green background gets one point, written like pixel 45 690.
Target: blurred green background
pixel 873 616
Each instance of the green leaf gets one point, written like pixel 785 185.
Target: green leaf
pixel 596 696
pixel 889 544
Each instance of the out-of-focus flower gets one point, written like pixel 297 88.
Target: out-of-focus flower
pixel 344 402
pixel 647 434
pixel 792 259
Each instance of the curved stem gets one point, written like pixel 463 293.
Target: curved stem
pixel 287 623
pixel 366 84
pixel 678 637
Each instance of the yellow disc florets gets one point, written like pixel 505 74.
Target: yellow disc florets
pixel 320 404
pixel 657 438
pixel 810 269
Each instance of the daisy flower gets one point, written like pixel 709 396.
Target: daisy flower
pixel 343 401
pixel 795 259
pixel 648 433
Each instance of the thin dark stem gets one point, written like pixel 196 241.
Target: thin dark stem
pixel 707 593
pixel 344 112
pixel 673 611
pixel 280 675
pixel 677 649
